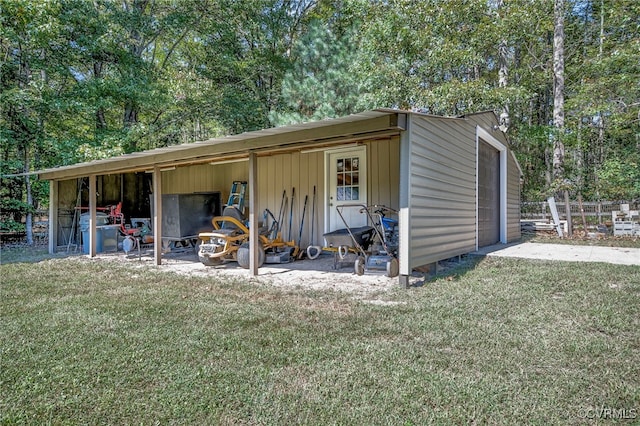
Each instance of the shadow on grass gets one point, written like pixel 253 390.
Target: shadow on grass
pixel 24 253
pixel 451 269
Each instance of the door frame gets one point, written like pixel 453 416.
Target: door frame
pixel 482 134
pixel 362 148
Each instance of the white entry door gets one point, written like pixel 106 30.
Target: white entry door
pixel 347 184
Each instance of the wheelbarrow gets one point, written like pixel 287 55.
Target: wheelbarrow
pixel 344 241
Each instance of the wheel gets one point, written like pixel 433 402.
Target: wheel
pixel 129 243
pixel 313 252
pixel 243 255
pixel 196 248
pixel 358 266
pixel 393 268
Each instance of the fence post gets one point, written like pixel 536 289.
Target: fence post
pixel 584 219
pixel 567 207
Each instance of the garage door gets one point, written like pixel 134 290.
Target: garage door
pixel 488 195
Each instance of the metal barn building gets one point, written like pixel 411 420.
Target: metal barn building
pixel 453 180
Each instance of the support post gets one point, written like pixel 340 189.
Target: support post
pixel 567 206
pixel 93 198
pixel 404 281
pixel 53 216
pixel 157 216
pixel 404 214
pixel 584 219
pixel 253 216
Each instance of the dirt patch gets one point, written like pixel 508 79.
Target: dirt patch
pixel 318 274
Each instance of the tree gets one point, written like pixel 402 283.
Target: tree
pixel 84 80
pixel 245 57
pixel 558 90
pixel 321 84
pixel 24 77
pixel 603 102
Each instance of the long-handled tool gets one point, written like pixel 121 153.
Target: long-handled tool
pixel 293 197
pixel 313 251
pixel 301 253
pixel 280 214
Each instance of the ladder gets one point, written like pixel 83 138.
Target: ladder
pixel 236 196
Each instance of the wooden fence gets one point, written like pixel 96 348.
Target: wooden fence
pixel 600 210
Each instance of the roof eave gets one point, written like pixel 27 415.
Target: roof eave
pixel 349 127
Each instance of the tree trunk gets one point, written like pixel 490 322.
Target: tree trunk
pixel 27 182
pixel 558 90
pixel 130 114
pixel 101 122
pixel 503 70
pixel 503 73
pixel 25 81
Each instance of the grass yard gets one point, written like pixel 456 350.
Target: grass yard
pixel 508 341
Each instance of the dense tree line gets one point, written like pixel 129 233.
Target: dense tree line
pixel 87 79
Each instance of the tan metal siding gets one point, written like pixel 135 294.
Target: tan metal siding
pixel 297 170
pixel 204 178
pixel 442 189
pixel 513 201
pixel 384 172
pixel 277 173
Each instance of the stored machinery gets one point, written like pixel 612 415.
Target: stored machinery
pixel 375 246
pixel 229 240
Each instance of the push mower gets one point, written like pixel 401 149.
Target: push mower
pixel 375 246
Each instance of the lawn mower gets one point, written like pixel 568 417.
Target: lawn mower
pixel 375 246
pixel 229 241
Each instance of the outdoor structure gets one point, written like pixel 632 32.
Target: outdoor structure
pixel 453 180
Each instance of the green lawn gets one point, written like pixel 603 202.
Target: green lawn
pixel 507 341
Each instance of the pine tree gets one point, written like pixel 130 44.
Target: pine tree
pixel 320 85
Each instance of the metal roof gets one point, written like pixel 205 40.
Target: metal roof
pixel 305 135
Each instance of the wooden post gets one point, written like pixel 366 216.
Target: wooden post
pixel 584 219
pixel 567 206
pixel 157 216
pixel 253 215
pixel 93 195
pixel 53 216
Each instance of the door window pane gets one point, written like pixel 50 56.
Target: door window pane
pixel 348 178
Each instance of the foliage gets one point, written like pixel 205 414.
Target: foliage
pixel 321 83
pixel 86 80
pixel 619 179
